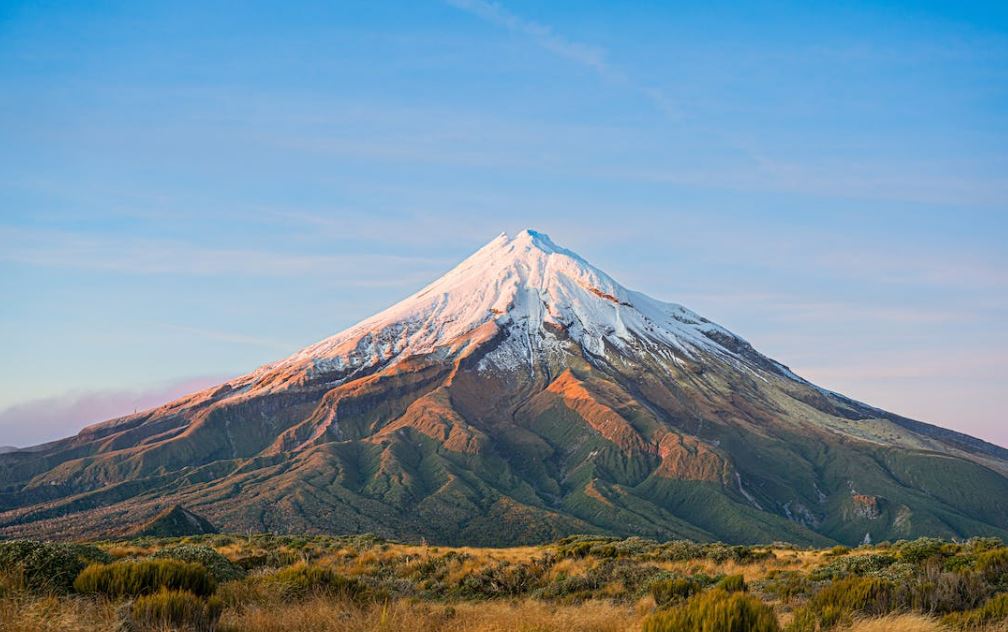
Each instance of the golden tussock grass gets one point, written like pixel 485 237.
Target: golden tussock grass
pixel 572 566
pixel 322 615
pixel 911 623
pixel 56 614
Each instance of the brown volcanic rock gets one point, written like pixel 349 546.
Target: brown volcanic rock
pixel 688 459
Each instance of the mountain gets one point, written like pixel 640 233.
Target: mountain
pixel 523 396
pixel 174 522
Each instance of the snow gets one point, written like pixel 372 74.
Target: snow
pixel 521 283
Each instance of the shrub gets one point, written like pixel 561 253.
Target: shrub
pixel 302 579
pixel 274 558
pixel 937 592
pixel 853 565
pixel 674 589
pixel 680 551
pixel 732 583
pixel 993 564
pixel 838 550
pixel 173 609
pixel 994 611
pixel 919 550
pixel 577 550
pixel 715 611
pixel 980 544
pixel 838 601
pixel 131 579
pixel 786 585
pixel 509 580
pixel 44 566
pixel 221 568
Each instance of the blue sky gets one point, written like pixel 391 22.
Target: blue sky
pixel 188 190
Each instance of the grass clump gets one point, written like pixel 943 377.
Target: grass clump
pixel 853 565
pixel 921 549
pixel 518 579
pixel 938 592
pixel 839 601
pixel 993 564
pixel 173 609
pixel 221 568
pixel 672 590
pixel 732 583
pixel 786 585
pixel 132 579
pixel 994 611
pixel 303 579
pixel 47 566
pixel 715 611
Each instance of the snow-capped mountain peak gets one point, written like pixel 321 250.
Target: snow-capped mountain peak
pixel 523 395
pixel 528 286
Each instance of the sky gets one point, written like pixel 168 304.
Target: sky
pixel 189 190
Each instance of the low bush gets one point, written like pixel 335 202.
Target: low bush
pixel 275 558
pixel 994 565
pixel 680 551
pixel 994 611
pixel 786 585
pixel 47 566
pixel 221 568
pixel 837 602
pixel 171 609
pixel 715 611
pixel 672 590
pixel 732 583
pixel 938 592
pixel 919 550
pixel 981 544
pixel 303 579
pixel 576 550
pixel 742 554
pixel 505 580
pixel 857 565
pixel 132 579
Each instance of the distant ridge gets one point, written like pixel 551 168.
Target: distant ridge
pixel 523 396
pixel 176 521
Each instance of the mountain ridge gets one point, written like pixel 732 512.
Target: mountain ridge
pixel 522 396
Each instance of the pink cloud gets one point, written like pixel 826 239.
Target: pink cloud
pixel 49 418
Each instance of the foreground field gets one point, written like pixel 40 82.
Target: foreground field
pixel 266 583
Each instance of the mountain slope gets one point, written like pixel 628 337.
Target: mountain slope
pixel 523 396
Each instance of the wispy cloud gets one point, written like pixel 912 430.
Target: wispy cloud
pixel 546 37
pixel 237 338
pixel 881 366
pixel 49 418
pixel 798 309
pixel 132 255
pixel 543 35
pixel 929 269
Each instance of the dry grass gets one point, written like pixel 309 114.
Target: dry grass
pixel 910 623
pixel 752 571
pixel 897 623
pixel 322 615
pixel 56 614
